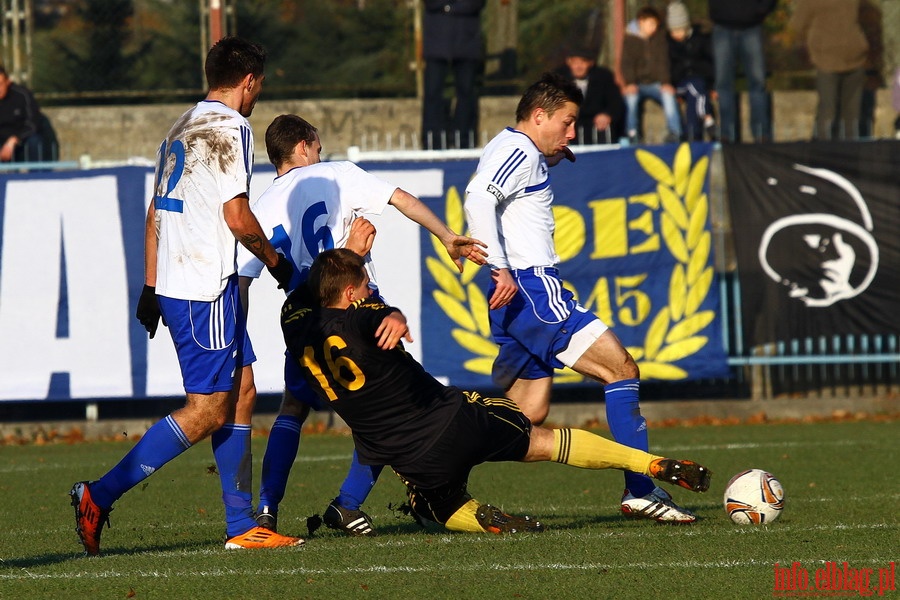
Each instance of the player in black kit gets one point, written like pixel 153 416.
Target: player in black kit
pixel 350 348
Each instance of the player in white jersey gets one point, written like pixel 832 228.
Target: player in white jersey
pixel 537 323
pixel 311 207
pixel 199 211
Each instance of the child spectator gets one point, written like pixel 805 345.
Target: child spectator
pixel 692 70
pixel 602 114
pixel 645 69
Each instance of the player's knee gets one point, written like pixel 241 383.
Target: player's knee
pixel 536 414
pixel 290 406
pixel 630 370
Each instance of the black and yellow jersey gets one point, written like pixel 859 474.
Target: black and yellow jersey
pixel 394 407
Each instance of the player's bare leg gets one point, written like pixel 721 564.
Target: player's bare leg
pixel 607 360
pixel 532 396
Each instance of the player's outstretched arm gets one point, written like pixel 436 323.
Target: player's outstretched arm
pixel 458 246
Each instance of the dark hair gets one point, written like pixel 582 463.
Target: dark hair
pixel 331 273
pixel 283 135
pixel 550 92
pixel 231 59
pixel 648 12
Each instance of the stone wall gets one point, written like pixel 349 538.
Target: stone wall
pixel 117 133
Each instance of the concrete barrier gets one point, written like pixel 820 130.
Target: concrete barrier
pixel 117 133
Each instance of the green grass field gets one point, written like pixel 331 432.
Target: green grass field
pixel 166 540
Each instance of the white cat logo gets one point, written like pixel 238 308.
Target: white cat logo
pixel 819 251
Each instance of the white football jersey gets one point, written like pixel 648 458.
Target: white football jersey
pixel 205 161
pixel 310 209
pixel 513 175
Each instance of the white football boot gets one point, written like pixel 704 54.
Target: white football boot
pixel 657 505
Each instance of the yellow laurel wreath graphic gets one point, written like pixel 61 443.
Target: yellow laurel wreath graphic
pixel 674 332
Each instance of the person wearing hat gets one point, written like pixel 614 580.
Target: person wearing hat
pixel 693 73
pixel 602 114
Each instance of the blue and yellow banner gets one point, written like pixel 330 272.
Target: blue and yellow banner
pixel 632 232
pixel 633 236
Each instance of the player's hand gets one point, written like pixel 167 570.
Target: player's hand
pixel 282 272
pixel 393 327
pixel 461 246
pixel 361 236
pixel 505 289
pixel 148 312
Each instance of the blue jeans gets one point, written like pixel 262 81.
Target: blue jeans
pixel 666 100
pixel 746 45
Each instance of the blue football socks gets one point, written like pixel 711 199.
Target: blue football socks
pixel 628 427
pixel 281 451
pixel 162 442
pixel 359 482
pixel 231 448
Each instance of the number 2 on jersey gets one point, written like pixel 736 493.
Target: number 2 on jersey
pixel 164 202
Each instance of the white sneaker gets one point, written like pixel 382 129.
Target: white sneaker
pixel 657 505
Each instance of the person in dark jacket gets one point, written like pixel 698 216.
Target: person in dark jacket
pixel 738 33
pixel 451 40
pixel 602 115
pixel 691 64
pixel 20 123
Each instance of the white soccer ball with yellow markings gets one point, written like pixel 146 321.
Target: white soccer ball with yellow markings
pixel 754 497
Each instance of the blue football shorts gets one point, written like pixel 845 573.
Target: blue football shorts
pixel 210 339
pixel 543 328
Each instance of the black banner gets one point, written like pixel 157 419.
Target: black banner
pixel 817 231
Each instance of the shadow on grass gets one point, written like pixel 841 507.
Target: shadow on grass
pixel 43 560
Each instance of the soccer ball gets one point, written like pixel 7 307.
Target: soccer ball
pixel 754 497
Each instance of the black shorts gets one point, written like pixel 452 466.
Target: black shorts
pixel 483 430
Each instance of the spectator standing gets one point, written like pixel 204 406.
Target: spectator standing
pixel 21 124
pixel 601 118
pixel 738 34
pixel 451 40
pixel 870 18
pixel 838 49
pixel 693 73
pixel 645 69
pixel 895 100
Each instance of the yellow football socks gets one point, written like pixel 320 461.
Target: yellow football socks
pixel 464 518
pixel 581 448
